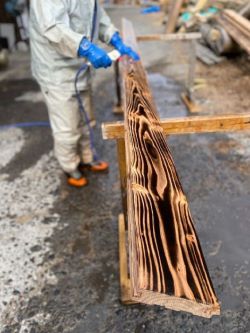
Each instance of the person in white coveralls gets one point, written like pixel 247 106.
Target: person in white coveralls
pixel 63 35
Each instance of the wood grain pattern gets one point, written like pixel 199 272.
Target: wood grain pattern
pixel 167 266
pixel 187 125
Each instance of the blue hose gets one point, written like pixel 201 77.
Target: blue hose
pixel 23 125
pixel 83 68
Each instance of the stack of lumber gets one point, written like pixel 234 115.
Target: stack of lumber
pixel 237 27
pixel 167 266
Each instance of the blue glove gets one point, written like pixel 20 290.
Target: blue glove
pixel 151 9
pixel 117 42
pixel 11 7
pixel 97 56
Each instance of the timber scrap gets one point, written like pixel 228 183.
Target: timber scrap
pixel 166 263
pixel 238 27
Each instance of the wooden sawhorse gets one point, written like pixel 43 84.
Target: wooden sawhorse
pixel 172 126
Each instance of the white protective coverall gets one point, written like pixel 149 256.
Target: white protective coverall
pixel 56 30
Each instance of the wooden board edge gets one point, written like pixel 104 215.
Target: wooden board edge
pixel 178 304
pixel 126 297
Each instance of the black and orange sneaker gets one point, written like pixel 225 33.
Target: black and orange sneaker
pixel 97 166
pixel 76 179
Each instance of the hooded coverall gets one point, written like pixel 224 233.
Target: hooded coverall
pixel 56 30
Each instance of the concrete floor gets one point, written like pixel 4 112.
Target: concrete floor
pixel 58 245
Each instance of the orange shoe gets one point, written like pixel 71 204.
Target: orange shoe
pixel 99 166
pixel 76 179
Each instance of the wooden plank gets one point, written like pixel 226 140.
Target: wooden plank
pixel 166 263
pixel 238 37
pixel 187 125
pixel 245 10
pixel 238 28
pixel 169 37
pixel 241 22
pixel 174 12
pixel 242 30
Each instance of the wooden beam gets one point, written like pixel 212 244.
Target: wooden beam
pixel 187 125
pixel 174 12
pixel 166 263
pixel 169 37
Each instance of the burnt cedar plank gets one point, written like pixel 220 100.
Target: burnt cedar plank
pixel 167 266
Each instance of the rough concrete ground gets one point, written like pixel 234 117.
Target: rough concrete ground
pixel 58 245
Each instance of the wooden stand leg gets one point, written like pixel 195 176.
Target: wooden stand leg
pixel 190 105
pixel 123 174
pixel 118 106
pixel 187 97
pixel 124 279
pixel 122 225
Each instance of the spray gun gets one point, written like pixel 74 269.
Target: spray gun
pixel 113 55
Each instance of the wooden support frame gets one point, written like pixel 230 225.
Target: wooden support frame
pixel 187 125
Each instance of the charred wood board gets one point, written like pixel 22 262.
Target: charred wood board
pixel 166 266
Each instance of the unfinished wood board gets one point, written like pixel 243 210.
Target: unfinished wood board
pixel 237 27
pixel 240 22
pixel 173 14
pixel 169 37
pixel 187 125
pixel 167 266
pixel 238 37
